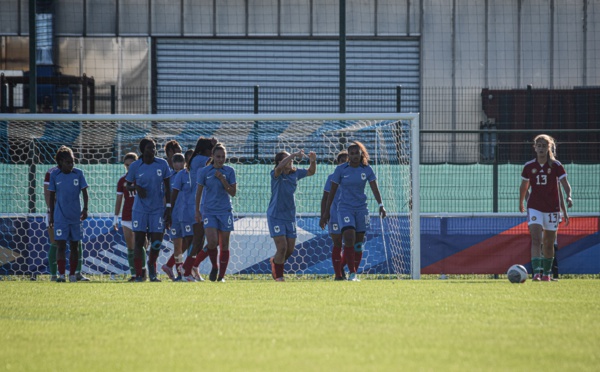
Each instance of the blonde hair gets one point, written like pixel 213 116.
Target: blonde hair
pixel 551 146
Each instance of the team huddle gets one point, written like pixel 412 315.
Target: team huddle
pixel 189 195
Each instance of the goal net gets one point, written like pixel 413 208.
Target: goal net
pixel 29 143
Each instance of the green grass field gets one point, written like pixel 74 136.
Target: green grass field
pixel 300 325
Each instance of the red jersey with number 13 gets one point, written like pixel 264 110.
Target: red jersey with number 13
pixel 128 198
pixel 543 180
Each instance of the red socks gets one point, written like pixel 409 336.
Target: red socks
pixel 336 259
pixel 138 263
pixel 201 257
pixel 349 255
pixel 187 265
pixel 212 254
pixel 73 261
pixel 61 263
pixel 171 261
pixel 357 258
pixel 279 270
pixel 223 262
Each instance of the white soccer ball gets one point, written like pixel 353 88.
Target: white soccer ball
pixel 517 274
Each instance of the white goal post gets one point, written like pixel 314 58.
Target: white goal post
pixel 30 141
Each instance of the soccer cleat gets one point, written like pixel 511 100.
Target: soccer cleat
pixel 154 279
pixel 178 279
pixel 213 274
pixel 338 278
pixel 272 261
pixel 53 278
pixel 72 278
pixel 353 278
pixel 546 278
pixel 61 279
pixel 81 278
pixel 139 279
pixel 222 280
pixel 552 279
pixel 196 274
pixel 537 278
pixel 189 278
pixel 169 271
pixel 280 279
pixel 132 279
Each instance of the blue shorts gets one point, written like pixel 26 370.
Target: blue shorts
pixel 359 220
pixel 181 229
pixel 71 232
pixel 221 222
pixel 146 222
pixel 333 225
pixel 279 227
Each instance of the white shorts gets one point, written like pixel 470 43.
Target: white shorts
pixel 548 220
pixel 126 224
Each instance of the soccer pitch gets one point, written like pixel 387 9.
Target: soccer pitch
pixel 301 325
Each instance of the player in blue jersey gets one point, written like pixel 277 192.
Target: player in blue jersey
pixel 353 215
pixel 200 157
pixel 172 147
pixel 149 177
pixel 281 213
pixel 333 225
pixel 66 214
pixel 216 186
pixel 183 217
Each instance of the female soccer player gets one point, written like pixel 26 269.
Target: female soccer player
pixel 333 225
pixel 65 210
pixel 281 213
pixel 149 177
pixel 200 157
pixel 171 148
pixel 216 186
pixel 353 215
pixel 182 230
pixel 542 174
pixel 128 197
pixel 52 251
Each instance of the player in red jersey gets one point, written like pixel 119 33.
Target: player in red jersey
pixel 125 198
pixel 542 174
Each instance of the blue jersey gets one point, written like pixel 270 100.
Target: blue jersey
pixel 67 186
pixel 338 193
pixel 283 204
pixel 151 178
pixel 198 162
pixel 183 210
pixel 215 200
pixel 352 182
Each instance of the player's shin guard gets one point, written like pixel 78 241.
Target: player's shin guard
pixel 52 266
pixel 131 260
pixel 171 261
pixel 80 255
pixel 201 257
pixel 153 257
pixel 336 260
pixel 61 265
pixel 358 253
pixel 349 254
pixel 187 265
pixel 212 254
pixel 536 265
pixel 223 262
pixel 279 270
pixel 547 265
pixel 73 261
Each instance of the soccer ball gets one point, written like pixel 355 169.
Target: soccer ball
pixel 517 274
